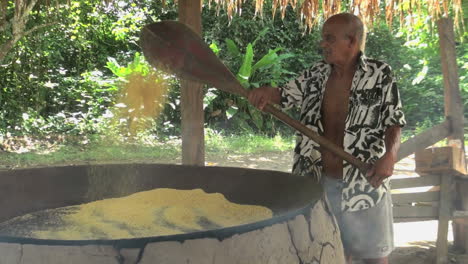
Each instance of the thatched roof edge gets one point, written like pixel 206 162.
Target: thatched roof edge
pixel 311 12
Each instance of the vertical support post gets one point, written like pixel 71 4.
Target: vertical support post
pixel 445 214
pixel 454 112
pixel 193 141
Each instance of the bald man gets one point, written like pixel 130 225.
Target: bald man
pixel 354 102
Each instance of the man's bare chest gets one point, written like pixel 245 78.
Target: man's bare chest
pixel 335 102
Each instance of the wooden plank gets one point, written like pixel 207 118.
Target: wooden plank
pixel 193 142
pixel 437 160
pixel 427 212
pixel 445 213
pixel 462 259
pixel 460 235
pixel 411 219
pixel 425 139
pixel 460 214
pixel 461 178
pixel 429 180
pixel 404 198
pixel 453 111
pixel 457 224
pixel 461 221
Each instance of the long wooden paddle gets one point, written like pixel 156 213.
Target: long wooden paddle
pixel 175 48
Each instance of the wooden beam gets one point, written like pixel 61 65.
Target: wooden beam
pixel 425 139
pixel 424 212
pixel 460 214
pixel 193 141
pixel 453 101
pixel 459 258
pixel 404 198
pixel 453 111
pixel 430 180
pixel 411 219
pixel 460 220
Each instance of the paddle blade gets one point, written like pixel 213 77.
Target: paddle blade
pixel 173 47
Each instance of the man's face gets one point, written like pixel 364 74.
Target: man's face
pixel 335 43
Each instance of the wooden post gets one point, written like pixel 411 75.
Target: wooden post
pixel 445 214
pixel 453 112
pixel 193 142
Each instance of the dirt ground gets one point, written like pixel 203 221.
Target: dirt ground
pixel 415 242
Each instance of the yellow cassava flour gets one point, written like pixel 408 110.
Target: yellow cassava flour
pixel 150 213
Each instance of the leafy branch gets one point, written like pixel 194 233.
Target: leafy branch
pixel 17 23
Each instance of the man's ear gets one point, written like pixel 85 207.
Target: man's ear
pixel 352 40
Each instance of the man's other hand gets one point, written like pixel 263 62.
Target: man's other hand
pixel 382 169
pixel 261 96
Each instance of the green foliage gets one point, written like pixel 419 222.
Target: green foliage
pixel 417 69
pixel 53 74
pixel 138 65
pixel 248 78
pixel 232 48
pixel 246 68
pixel 57 78
pixel 65 79
pixel 256 62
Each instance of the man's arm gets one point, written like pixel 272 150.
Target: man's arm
pixel 392 140
pixel 383 167
pixel 289 95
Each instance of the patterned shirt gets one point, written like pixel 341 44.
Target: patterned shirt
pixel 374 105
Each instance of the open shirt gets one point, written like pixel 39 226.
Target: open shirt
pixel 374 105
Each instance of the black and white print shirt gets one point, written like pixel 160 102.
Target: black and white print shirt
pixel 374 106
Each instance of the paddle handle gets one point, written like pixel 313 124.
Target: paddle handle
pixel 322 141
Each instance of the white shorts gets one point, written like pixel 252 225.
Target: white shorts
pixel 366 234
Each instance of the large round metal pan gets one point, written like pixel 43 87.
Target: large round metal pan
pixel 24 191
